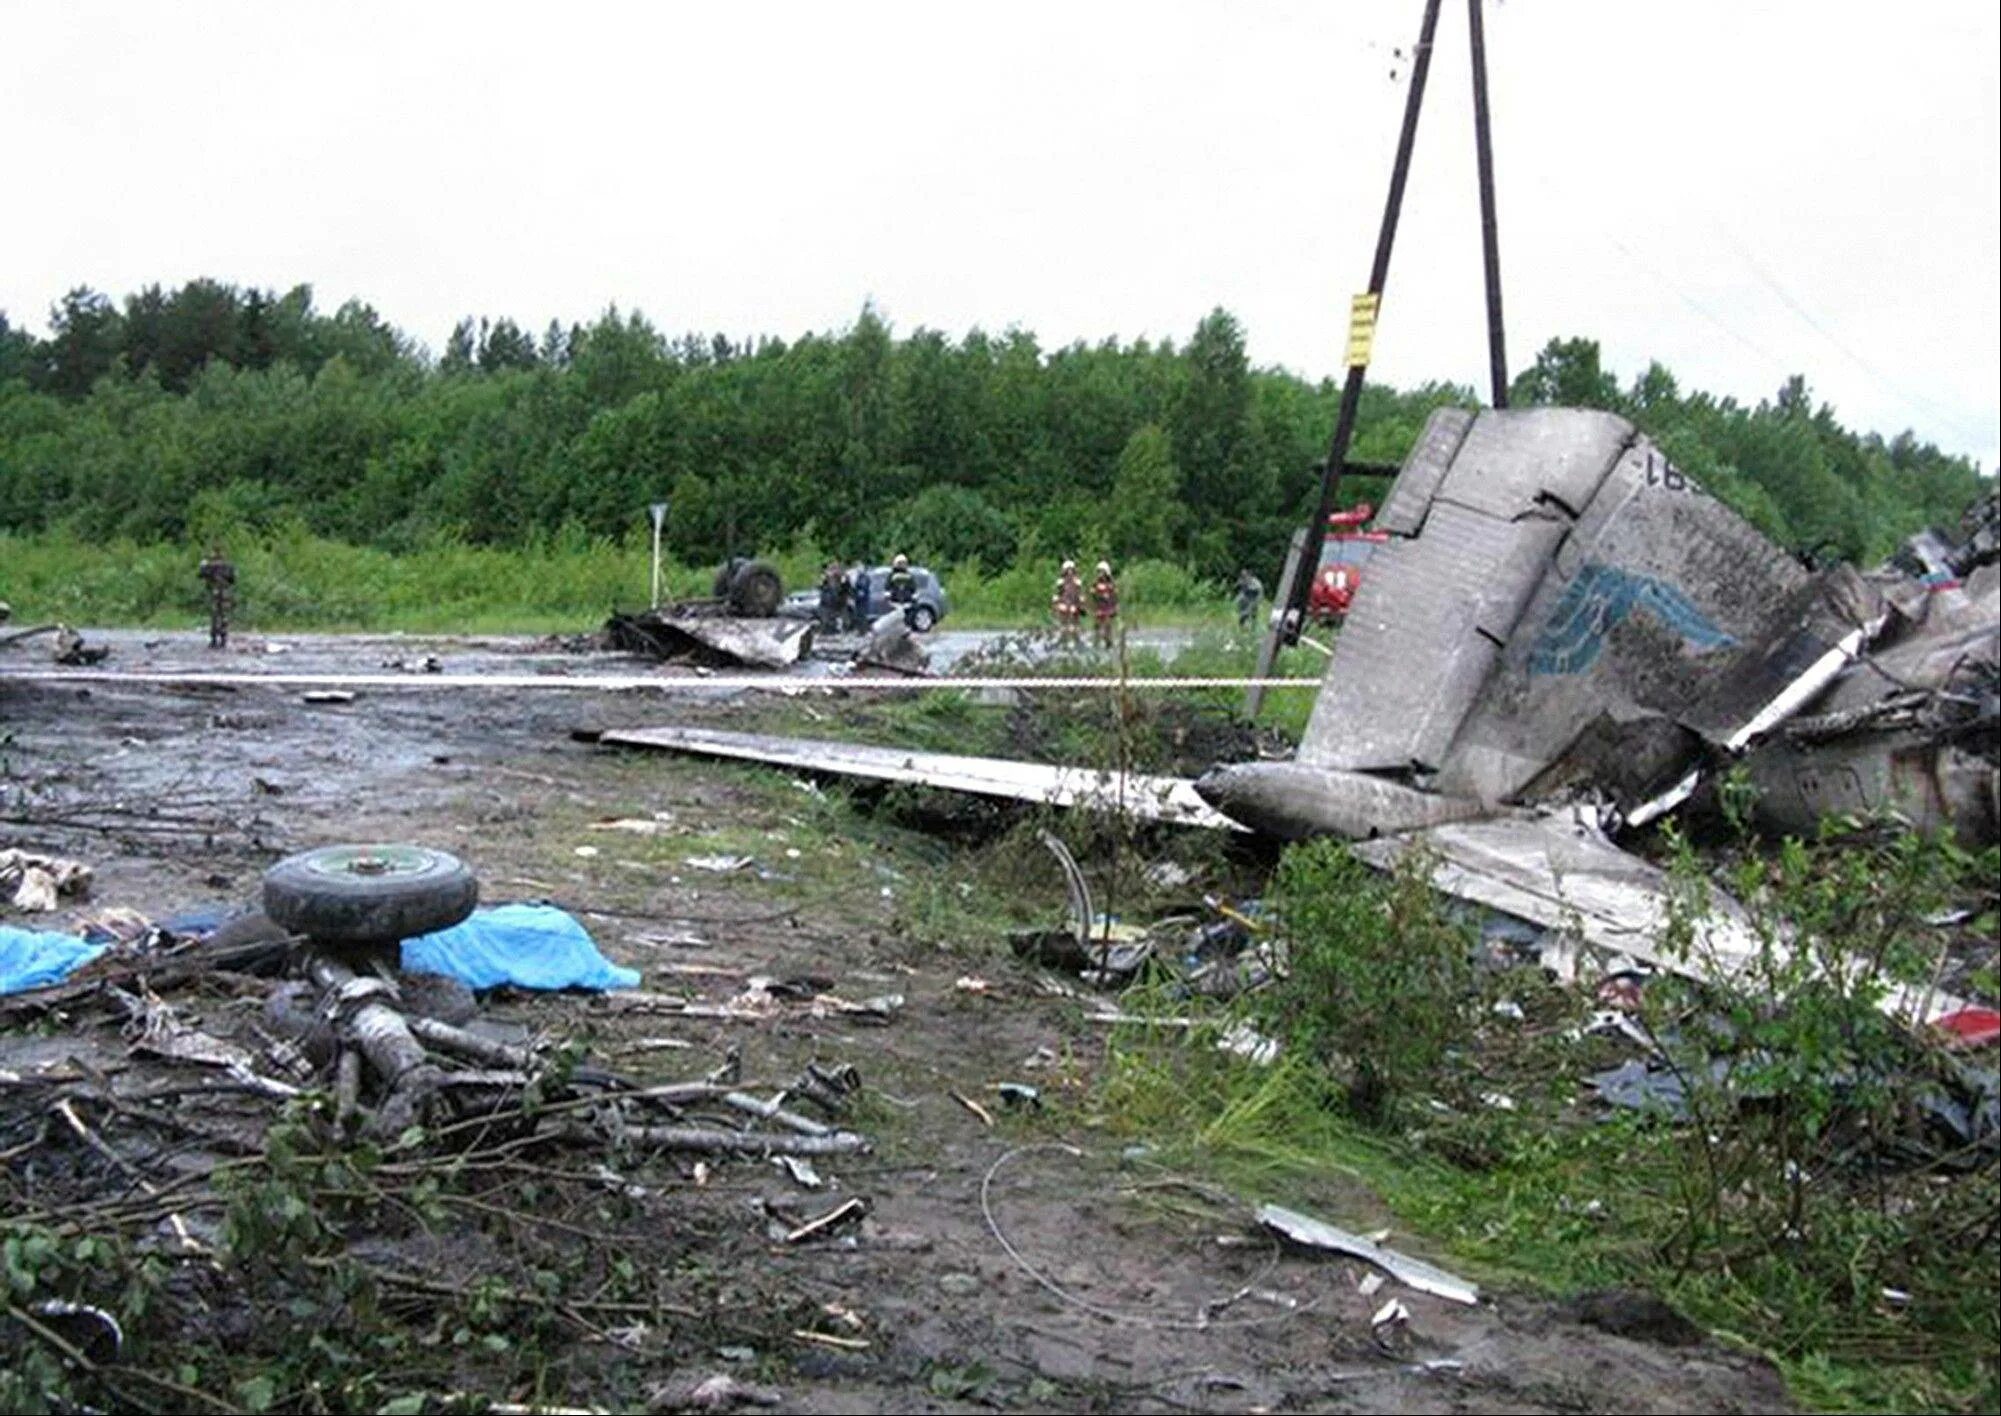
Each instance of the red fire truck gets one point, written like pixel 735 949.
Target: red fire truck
pixel 1346 550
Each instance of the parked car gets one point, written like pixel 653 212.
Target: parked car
pixel 930 606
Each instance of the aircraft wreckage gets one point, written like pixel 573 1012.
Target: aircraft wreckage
pixel 1559 613
pixel 1565 637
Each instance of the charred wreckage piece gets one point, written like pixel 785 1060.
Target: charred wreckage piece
pixel 716 640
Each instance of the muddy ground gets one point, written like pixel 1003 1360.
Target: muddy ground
pixel 179 798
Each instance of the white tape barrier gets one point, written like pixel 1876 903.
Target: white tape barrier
pixel 619 683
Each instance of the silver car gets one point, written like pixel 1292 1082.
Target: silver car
pixel 929 607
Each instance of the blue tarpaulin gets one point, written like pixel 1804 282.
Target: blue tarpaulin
pixel 34 958
pixel 527 946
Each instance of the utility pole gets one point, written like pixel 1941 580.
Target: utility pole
pixel 1362 328
pixel 1490 239
pixel 1362 313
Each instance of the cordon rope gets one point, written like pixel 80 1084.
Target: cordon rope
pixel 775 682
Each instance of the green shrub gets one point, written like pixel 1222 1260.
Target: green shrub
pixel 1380 981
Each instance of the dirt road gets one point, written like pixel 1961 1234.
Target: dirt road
pixel 1030 1264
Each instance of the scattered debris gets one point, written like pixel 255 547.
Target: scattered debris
pixel 325 696
pixel 1413 1273
pixel 759 1001
pixel 719 864
pixel 892 644
pixel 712 641
pixel 720 1392
pixel 1078 888
pixel 800 1170
pixel 1203 1318
pixel 847 1212
pixel 1392 1313
pixel 1560 871
pixel 661 822
pixel 1243 1040
pixel 985 1116
pixel 37 882
pixel 1019 1094
pixel 1168 875
pixel 1971 1027
pixel 71 651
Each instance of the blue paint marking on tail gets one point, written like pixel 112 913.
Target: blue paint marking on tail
pixel 1597 601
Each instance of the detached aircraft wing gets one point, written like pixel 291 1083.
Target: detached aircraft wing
pixel 1171 800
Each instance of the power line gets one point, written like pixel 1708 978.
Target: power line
pixel 1912 400
pixel 1696 305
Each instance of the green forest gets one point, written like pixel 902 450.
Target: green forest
pixel 215 412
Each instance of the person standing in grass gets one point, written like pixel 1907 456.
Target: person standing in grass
pixel 1250 590
pixel 1104 604
pixel 220 576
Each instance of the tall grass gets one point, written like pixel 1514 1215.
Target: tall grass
pixel 567 580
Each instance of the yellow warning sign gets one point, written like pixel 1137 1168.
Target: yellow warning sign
pixel 1362 328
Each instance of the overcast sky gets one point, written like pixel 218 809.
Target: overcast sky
pixel 1741 190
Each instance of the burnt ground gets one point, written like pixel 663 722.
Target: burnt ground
pixel 179 798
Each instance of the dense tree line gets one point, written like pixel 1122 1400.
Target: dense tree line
pixel 213 409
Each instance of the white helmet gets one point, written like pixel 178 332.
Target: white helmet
pixel 1104 567
pixel 1069 566
pixel 900 563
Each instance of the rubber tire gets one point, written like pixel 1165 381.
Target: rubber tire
pixel 756 591
pixel 922 618
pixel 321 894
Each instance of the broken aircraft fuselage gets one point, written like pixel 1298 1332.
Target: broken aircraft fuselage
pixel 1561 613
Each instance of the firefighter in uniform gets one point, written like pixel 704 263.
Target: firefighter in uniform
pixel 1104 604
pixel 901 587
pixel 221 578
pixel 1067 604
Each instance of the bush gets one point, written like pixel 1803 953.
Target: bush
pixel 1809 1106
pixel 1381 978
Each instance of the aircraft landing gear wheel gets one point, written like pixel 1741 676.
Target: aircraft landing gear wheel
pixel 374 894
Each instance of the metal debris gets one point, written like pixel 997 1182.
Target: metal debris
pixel 712 640
pixel 37 883
pixel 1414 1273
pixel 1152 798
